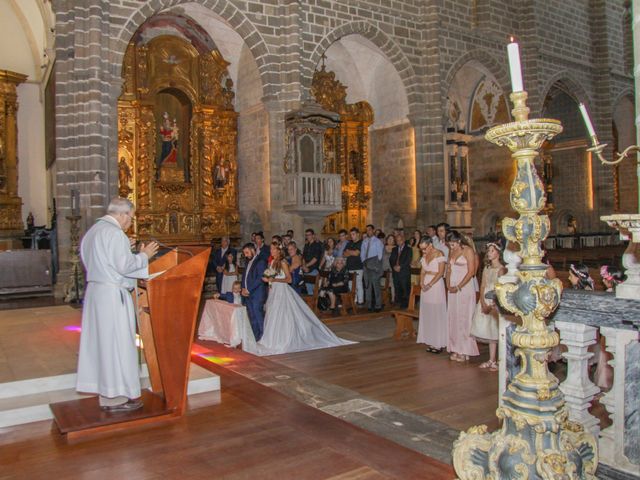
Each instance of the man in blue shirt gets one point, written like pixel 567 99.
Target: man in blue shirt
pixel 371 256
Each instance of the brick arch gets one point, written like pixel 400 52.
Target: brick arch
pixel 388 46
pixel 574 87
pixel 226 11
pixel 626 92
pixel 496 68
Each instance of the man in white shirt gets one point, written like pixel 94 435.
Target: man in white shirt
pixel 371 256
pixel 108 358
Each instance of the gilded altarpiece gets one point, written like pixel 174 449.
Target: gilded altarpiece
pixel 177 133
pixel 11 226
pixel 346 151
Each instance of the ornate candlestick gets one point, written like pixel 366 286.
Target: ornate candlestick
pixel 74 288
pixel 536 441
pixel 625 223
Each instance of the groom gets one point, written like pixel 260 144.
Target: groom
pixel 254 289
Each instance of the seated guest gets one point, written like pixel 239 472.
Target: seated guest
pixel 329 255
pixel 338 282
pixel 234 296
pixel 579 277
pixel 611 276
pixel 295 266
pixel 229 273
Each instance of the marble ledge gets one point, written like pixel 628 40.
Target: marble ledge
pixel 597 309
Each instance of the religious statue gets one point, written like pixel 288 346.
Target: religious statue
pixel 220 175
pixel 169 137
pixel 124 177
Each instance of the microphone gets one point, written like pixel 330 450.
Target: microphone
pixel 178 250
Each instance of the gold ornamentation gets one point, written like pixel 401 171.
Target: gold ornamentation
pixel 11 225
pixel 536 439
pixel 346 150
pixel 170 208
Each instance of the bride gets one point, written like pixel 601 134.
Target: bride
pixel 289 324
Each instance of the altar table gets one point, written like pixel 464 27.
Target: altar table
pixel 226 323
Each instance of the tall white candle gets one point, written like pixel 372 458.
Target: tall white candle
pixel 514 66
pixel 587 120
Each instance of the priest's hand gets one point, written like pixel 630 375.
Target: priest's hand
pixel 132 243
pixel 149 249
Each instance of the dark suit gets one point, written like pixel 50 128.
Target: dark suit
pixel 219 259
pixel 228 297
pixel 401 279
pixel 252 281
pixel 264 253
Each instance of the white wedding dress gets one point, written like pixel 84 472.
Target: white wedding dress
pixel 291 326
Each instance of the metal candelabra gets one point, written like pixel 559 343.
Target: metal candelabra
pixel 74 288
pixel 536 440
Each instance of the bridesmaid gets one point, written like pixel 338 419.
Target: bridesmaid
pixel 295 265
pixel 487 316
pixel 433 328
pixel 461 299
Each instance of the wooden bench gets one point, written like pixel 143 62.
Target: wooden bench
pixel 404 318
pixel 316 280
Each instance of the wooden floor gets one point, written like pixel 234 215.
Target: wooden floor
pixel 253 433
pixel 403 374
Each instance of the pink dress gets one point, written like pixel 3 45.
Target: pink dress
pixel 460 313
pixel 433 328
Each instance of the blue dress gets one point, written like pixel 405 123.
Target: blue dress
pixel 296 276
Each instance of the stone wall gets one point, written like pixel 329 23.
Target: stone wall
pixel 577 41
pixel 393 176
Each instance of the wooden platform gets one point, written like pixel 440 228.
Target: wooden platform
pixel 254 432
pixel 77 418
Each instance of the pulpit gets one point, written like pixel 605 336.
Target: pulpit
pixel 168 305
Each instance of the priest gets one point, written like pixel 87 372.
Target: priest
pixel 108 360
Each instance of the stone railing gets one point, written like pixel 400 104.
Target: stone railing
pixel 313 192
pixel 579 319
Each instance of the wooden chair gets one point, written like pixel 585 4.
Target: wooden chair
pixel 316 280
pixel 348 299
pixel 404 318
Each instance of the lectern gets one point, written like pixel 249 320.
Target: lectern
pixel 168 306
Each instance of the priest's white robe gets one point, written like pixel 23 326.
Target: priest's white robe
pixel 108 358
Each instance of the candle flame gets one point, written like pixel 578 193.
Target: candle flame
pixel 512 39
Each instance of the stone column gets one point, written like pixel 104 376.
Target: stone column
pixel 11 227
pixel 578 389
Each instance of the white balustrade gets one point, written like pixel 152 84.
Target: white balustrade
pixel 578 389
pixel 313 192
pixel 612 438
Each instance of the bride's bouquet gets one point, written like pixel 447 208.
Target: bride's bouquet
pixel 269 273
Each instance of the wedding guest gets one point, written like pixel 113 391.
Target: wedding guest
pixel 329 255
pixel 468 241
pixel 400 261
pixel 433 326
pixel 611 276
pixel 486 317
pixel 295 266
pixel 338 282
pixel 371 256
pixel 377 232
pixel 343 239
pixel 311 256
pixel 430 232
pixel 579 277
pixel 220 259
pixel 461 298
pixel 417 236
pixel 277 239
pixel 415 260
pixel 286 239
pixel 550 273
pixel 230 273
pixel 262 250
pixel 354 263
pixel 233 296
pixel 440 242
pixel 389 244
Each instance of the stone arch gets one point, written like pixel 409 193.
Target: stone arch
pixel 388 46
pixel 227 12
pixel 573 87
pixel 489 221
pixel 626 92
pixel 495 67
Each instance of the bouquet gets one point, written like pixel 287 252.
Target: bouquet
pixel 269 273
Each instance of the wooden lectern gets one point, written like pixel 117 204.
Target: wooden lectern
pixel 168 305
